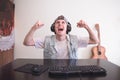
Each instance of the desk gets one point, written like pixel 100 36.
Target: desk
pixel 7 72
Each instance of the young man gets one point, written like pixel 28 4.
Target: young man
pixel 62 45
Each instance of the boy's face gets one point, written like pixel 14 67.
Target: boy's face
pixel 60 27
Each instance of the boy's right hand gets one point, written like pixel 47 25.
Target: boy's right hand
pixel 37 25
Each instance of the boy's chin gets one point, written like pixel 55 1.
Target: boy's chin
pixel 61 34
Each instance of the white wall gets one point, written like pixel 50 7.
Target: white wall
pixel 104 12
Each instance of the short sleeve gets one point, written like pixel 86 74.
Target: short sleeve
pixel 83 42
pixel 39 43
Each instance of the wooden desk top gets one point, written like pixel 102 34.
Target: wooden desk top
pixel 7 72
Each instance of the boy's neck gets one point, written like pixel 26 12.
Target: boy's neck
pixel 61 38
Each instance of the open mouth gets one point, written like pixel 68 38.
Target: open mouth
pixel 60 29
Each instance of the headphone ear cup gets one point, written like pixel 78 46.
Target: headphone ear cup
pixel 68 27
pixel 52 28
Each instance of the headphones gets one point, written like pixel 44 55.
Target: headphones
pixel 68 27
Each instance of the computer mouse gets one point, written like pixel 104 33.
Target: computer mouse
pixel 35 69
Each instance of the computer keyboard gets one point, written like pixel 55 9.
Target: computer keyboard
pixel 86 70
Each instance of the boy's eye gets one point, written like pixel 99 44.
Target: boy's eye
pixel 63 22
pixel 58 22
